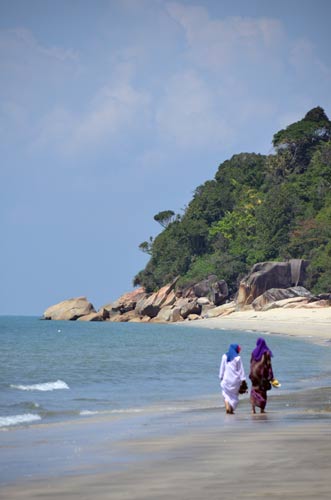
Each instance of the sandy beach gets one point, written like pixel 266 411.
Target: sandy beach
pixel 313 323
pixel 284 454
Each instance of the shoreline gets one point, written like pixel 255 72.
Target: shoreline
pixel 313 324
pixel 283 453
pixel 190 455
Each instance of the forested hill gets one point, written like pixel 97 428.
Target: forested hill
pixel 257 208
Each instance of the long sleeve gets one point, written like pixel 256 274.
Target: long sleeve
pixel 241 370
pixel 222 367
pixel 269 369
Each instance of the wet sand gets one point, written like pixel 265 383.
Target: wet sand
pixel 284 454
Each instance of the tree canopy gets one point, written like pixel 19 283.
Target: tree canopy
pixel 257 208
pixel 301 138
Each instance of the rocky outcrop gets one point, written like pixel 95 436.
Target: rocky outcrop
pixel 267 275
pixel 125 317
pixel 269 285
pixel 278 295
pixel 222 310
pixel 101 315
pixel 191 306
pixel 150 305
pixel 169 314
pixel 70 309
pixel 127 301
pixel 215 290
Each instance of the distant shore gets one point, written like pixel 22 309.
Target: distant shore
pixel 313 323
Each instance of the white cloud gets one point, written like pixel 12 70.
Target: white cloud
pixel 44 96
pixel 22 56
pixel 115 109
pixel 33 76
pixel 188 113
pixel 305 59
pixel 216 44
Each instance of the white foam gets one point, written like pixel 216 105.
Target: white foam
pixel 47 386
pixel 128 410
pixel 18 419
pixel 88 412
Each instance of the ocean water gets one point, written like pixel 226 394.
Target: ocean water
pixel 54 371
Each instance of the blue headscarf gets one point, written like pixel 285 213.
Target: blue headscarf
pixel 233 351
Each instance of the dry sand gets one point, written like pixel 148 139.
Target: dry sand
pixel 312 323
pixel 284 454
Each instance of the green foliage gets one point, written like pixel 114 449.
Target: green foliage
pixel 164 218
pixel 146 246
pixel 239 227
pixel 224 266
pixel 257 208
pixel 300 138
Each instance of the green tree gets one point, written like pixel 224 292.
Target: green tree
pixel 146 246
pixel 300 138
pixel 274 219
pixel 256 208
pixel 238 227
pixel 164 218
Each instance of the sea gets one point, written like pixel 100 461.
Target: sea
pixel 53 371
pixel 70 389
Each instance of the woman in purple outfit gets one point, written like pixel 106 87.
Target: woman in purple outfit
pixel 261 374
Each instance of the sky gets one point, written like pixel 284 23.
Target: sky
pixel 114 110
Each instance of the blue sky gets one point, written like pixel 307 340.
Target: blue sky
pixel 111 111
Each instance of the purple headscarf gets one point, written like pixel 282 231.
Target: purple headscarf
pixel 260 349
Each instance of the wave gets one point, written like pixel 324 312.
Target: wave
pixel 128 410
pixel 18 419
pixel 47 386
pixel 84 413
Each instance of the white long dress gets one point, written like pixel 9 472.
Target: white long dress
pixel 231 375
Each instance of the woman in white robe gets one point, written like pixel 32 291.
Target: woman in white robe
pixel 231 375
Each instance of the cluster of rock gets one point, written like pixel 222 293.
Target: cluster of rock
pixel 268 285
pixel 167 304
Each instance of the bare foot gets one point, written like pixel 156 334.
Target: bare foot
pixel 231 410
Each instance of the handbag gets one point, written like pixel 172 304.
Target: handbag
pixel 265 384
pixel 243 387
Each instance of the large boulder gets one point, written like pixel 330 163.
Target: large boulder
pixel 215 290
pixel 164 314
pixel 101 315
pixel 222 310
pixel 190 307
pixel 169 314
pixel 150 305
pixel 277 296
pixel 127 301
pixel 146 306
pixel 70 309
pixel 266 275
pixel 125 317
